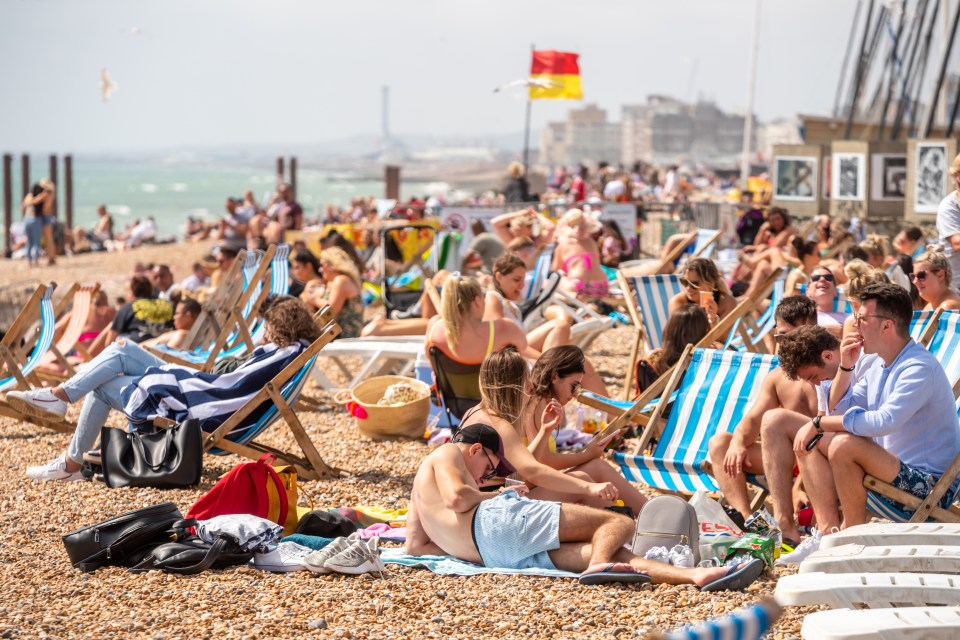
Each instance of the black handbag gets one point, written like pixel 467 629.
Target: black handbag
pixel 192 555
pixel 164 459
pixel 114 541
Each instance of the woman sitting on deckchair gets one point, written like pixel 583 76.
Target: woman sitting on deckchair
pixel 701 276
pixel 933 278
pixel 128 378
pixel 823 291
pixel 305 269
pixel 524 224
pixel 687 325
pixel 557 376
pixel 577 256
pixel 341 292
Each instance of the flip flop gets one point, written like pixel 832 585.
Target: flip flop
pixel 738 577
pixel 613 572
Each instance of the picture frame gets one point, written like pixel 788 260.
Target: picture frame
pixel 849 176
pixel 795 178
pixel 888 173
pixel 930 176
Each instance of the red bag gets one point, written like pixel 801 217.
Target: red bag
pixel 253 488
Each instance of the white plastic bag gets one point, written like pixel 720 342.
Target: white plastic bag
pixel 709 510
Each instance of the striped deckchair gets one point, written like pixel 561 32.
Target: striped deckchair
pixel 924 324
pixel 717 389
pixel 840 302
pixel 945 345
pixel 647 299
pixel 750 623
pixel 706 243
pixel 238 433
pixel 83 298
pixel 748 335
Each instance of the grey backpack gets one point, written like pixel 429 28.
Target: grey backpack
pixel 666 521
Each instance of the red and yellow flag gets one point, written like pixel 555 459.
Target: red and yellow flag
pixel 560 72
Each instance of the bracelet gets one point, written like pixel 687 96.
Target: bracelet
pixel 847 369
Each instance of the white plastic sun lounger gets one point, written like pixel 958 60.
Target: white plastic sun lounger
pixel 868 590
pixel 881 534
pixel 929 623
pixel 850 558
pixel 378 355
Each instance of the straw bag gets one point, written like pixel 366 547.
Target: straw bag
pixel 407 420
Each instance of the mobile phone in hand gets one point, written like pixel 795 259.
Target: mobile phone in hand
pixel 813 442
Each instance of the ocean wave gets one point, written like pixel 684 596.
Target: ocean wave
pixel 119 209
pixel 179 187
pixel 149 187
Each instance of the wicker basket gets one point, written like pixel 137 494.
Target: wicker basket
pixel 387 421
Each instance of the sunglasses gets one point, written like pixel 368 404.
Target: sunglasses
pixel 575 388
pixel 922 275
pixel 690 283
pixel 822 276
pixel 493 468
pixel 777 337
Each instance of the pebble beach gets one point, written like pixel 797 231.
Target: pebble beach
pixel 45 597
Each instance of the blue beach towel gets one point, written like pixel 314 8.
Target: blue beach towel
pixel 448 566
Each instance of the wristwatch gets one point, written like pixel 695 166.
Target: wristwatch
pixel 816 424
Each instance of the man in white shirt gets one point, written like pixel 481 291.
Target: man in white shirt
pixel 948 219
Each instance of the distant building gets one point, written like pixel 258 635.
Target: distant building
pixel 586 137
pixel 778 132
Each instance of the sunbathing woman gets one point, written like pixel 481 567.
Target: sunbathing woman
pixel 305 269
pixel 577 256
pixel 806 254
pixel 113 379
pixel 702 276
pixel 933 276
pixel 687 325
pixel 524 224
pixel 342 291
pixel 557 377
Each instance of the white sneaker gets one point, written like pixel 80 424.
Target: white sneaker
pixel 315 560
pixel 681 556
pixel 56 469
pixel 804 549
pixel 286 556
pixel 39 403
pixel 658 554
pixel 363 556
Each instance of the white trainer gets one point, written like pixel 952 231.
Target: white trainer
pixel 315 560
pixel 804 549
pixel 363 556
pixel 56 469
pixel 285 557
pixel 39 403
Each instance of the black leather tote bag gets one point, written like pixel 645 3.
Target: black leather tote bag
pixel 164 459
pixel 113 541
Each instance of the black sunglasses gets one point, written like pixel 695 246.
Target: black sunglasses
pixel 922 275
pixel 825 276
pixel 690 283
pixel 493 468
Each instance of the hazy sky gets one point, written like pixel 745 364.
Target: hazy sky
pixel 215 72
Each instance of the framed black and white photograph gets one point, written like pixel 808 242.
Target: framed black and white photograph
pixel 931 177
pixel 888 176
pixel 795 178
pixel 849 176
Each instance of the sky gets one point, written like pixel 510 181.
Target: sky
pixel 213 73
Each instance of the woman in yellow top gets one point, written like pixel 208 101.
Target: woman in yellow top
pixel 341 291
pixel 556 379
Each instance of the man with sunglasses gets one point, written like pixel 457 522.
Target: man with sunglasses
pixel 898 422
pixel 739 452
pixel 450 515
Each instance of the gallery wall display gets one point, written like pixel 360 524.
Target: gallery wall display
pixel 795 178
pixel 849 176
pixel 930 176
pixel 888 172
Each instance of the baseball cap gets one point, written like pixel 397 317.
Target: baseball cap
pixel 487 436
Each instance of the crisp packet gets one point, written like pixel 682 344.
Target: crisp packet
pixel 752 545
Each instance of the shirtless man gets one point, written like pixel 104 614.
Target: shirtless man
pixel 740 450
pixel 449 515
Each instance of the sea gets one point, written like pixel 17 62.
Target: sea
pixel 137 188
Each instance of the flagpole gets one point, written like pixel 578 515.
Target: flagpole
pixel 751 86
pixel 526 130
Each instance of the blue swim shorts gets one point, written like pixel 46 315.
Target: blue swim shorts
pixel 918 483
pixel 513 532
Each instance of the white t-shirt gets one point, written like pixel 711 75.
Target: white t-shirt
pixel 948 224
pixel 831 318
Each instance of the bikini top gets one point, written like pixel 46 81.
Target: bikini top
pixel 588 260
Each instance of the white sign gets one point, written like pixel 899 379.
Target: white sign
pixel 458 219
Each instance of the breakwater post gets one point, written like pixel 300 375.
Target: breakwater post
pixel 281 173
pixel 7 202
pixel 391 177
pixel 24 175
pixel 68 190
pixel 56 184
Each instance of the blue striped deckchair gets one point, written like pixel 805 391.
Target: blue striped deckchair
pixel 924 324
pixel 706 243
pixel 717 389
pixel 754 340
pixel 945 345
pixel 238 433
pixel 540 272
pixel 647 299
pixel 749 623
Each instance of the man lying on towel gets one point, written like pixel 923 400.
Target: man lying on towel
pixel 450 515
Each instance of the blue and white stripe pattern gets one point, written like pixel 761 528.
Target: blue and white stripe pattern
pixel 180 393
pixel 921 319
pixel 653 297
pixel 750 623
pixel 767 321
pixel 540 272
pixel 704 243
pixel 47 324
pixel 717 390
pixel 945 344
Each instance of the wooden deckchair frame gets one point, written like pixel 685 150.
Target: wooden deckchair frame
pixel 311 465
pixel 218 307
pixel 927 508
pixel 80 314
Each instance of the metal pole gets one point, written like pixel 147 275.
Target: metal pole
pixel 846 59
pixel 526 128
pixel 916 33
pixel 751 89
pixel 24 175
pixel 858 76
pixel 293 176
pixel 894 49
pixel 7 203
pixel 68 190
pixel 56 184
pixel 943 72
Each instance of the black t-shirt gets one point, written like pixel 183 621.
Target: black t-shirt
pixel 144 318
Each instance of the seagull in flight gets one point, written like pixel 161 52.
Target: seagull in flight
pixel 107 85
pixel 530 83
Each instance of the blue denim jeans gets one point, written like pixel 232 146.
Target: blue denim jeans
pixel 101 381
pixel 33 227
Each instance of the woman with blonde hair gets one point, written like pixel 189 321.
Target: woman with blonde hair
pixel 932 275
pixel 341 291
pixel 526 223
pixel 701 276
pixel 577 255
